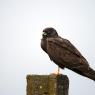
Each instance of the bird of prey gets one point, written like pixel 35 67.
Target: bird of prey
pixel 63 53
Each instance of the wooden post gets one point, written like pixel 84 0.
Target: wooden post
pixel 47 84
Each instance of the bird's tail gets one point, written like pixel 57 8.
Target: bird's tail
pixel 90 74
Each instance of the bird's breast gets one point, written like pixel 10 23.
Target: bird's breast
pixel 44 44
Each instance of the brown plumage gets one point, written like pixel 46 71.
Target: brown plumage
pixel 64 54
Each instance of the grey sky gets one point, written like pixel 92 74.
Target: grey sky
pixel 21 25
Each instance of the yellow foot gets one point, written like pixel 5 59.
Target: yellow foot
pixel 54 74
pixel 57 72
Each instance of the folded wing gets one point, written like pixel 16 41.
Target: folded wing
pixel 62 52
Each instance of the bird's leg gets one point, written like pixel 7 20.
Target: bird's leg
pixel 58 72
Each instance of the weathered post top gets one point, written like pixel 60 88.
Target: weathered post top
pixel 47 84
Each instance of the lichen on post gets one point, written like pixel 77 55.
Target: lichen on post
pixel 47 84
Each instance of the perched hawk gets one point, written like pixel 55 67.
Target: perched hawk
pixel 64 54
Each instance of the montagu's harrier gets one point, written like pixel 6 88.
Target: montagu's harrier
pixel 64 54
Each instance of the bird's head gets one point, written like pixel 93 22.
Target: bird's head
pixel 49 32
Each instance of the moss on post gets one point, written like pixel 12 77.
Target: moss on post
pixel 47 85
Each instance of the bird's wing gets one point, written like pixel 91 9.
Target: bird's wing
pixel 62 51
pixel 65 44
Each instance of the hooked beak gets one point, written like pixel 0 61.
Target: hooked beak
pixel 44 34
